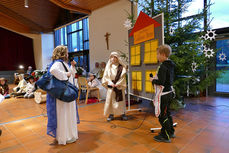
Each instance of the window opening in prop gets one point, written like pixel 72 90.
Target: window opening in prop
pixel 137 80
pixel 135 55
pixel 148 84
pixel 150 55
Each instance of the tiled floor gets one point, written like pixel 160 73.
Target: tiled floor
pixel 202 128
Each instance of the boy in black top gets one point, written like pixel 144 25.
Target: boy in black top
pixel 165 76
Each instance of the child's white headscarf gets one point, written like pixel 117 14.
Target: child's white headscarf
pixel 107 71
pixel 116 54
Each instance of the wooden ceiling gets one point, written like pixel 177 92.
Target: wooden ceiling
pixel 83 6
pixel 40 16
pixel 43 15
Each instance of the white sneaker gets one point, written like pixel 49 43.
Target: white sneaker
pixel 71 141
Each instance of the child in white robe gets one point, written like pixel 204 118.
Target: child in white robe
pixel 21 85
pixel 30 88
pixel 94 82
pixel 114 79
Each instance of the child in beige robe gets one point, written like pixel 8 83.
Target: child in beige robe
pixel 116 84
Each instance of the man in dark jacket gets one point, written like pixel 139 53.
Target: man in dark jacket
pixel 165 76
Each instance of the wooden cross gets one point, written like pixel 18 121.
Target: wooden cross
pixel 107 39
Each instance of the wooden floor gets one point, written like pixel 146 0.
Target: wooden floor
pixel 202 128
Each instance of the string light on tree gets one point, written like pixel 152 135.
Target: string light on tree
pixel 222 56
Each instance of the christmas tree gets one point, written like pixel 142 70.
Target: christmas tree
pixel 190 43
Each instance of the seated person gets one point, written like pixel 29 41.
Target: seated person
pixel 30 88
pixel 94 82
pixel 16 78
pixel 96 69
pixel 4 88
pixel 22 91
pixel 80 71
pixel 21 85
pixel 101 71
pixel 30 70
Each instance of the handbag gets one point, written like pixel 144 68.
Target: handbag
pixel 62 90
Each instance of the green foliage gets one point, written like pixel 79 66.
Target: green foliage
pixel 177 104
pixel 223 78
pixel 124 56
pixel 130 17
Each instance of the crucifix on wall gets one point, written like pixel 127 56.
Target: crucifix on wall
pixel 107 39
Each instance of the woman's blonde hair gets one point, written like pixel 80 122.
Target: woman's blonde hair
pixel 60 52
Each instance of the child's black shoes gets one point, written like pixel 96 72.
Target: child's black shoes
pixel 124 117
pixel 160 138
pixel 110 118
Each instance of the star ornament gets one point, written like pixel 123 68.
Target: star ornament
pixel 210 35
pixel 222 56
pixel 209 53
pixel 194 66
pixel 127 24
pixel 205 37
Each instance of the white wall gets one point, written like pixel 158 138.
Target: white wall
pixel 47 48
pixel 36 48
pixel 43 45
pixel 108 19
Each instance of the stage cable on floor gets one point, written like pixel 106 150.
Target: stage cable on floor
pixel 139 126
pixel 115 125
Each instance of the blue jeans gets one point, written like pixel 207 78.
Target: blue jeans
pixel 7 96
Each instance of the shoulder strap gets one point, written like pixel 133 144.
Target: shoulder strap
pixel 64 67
